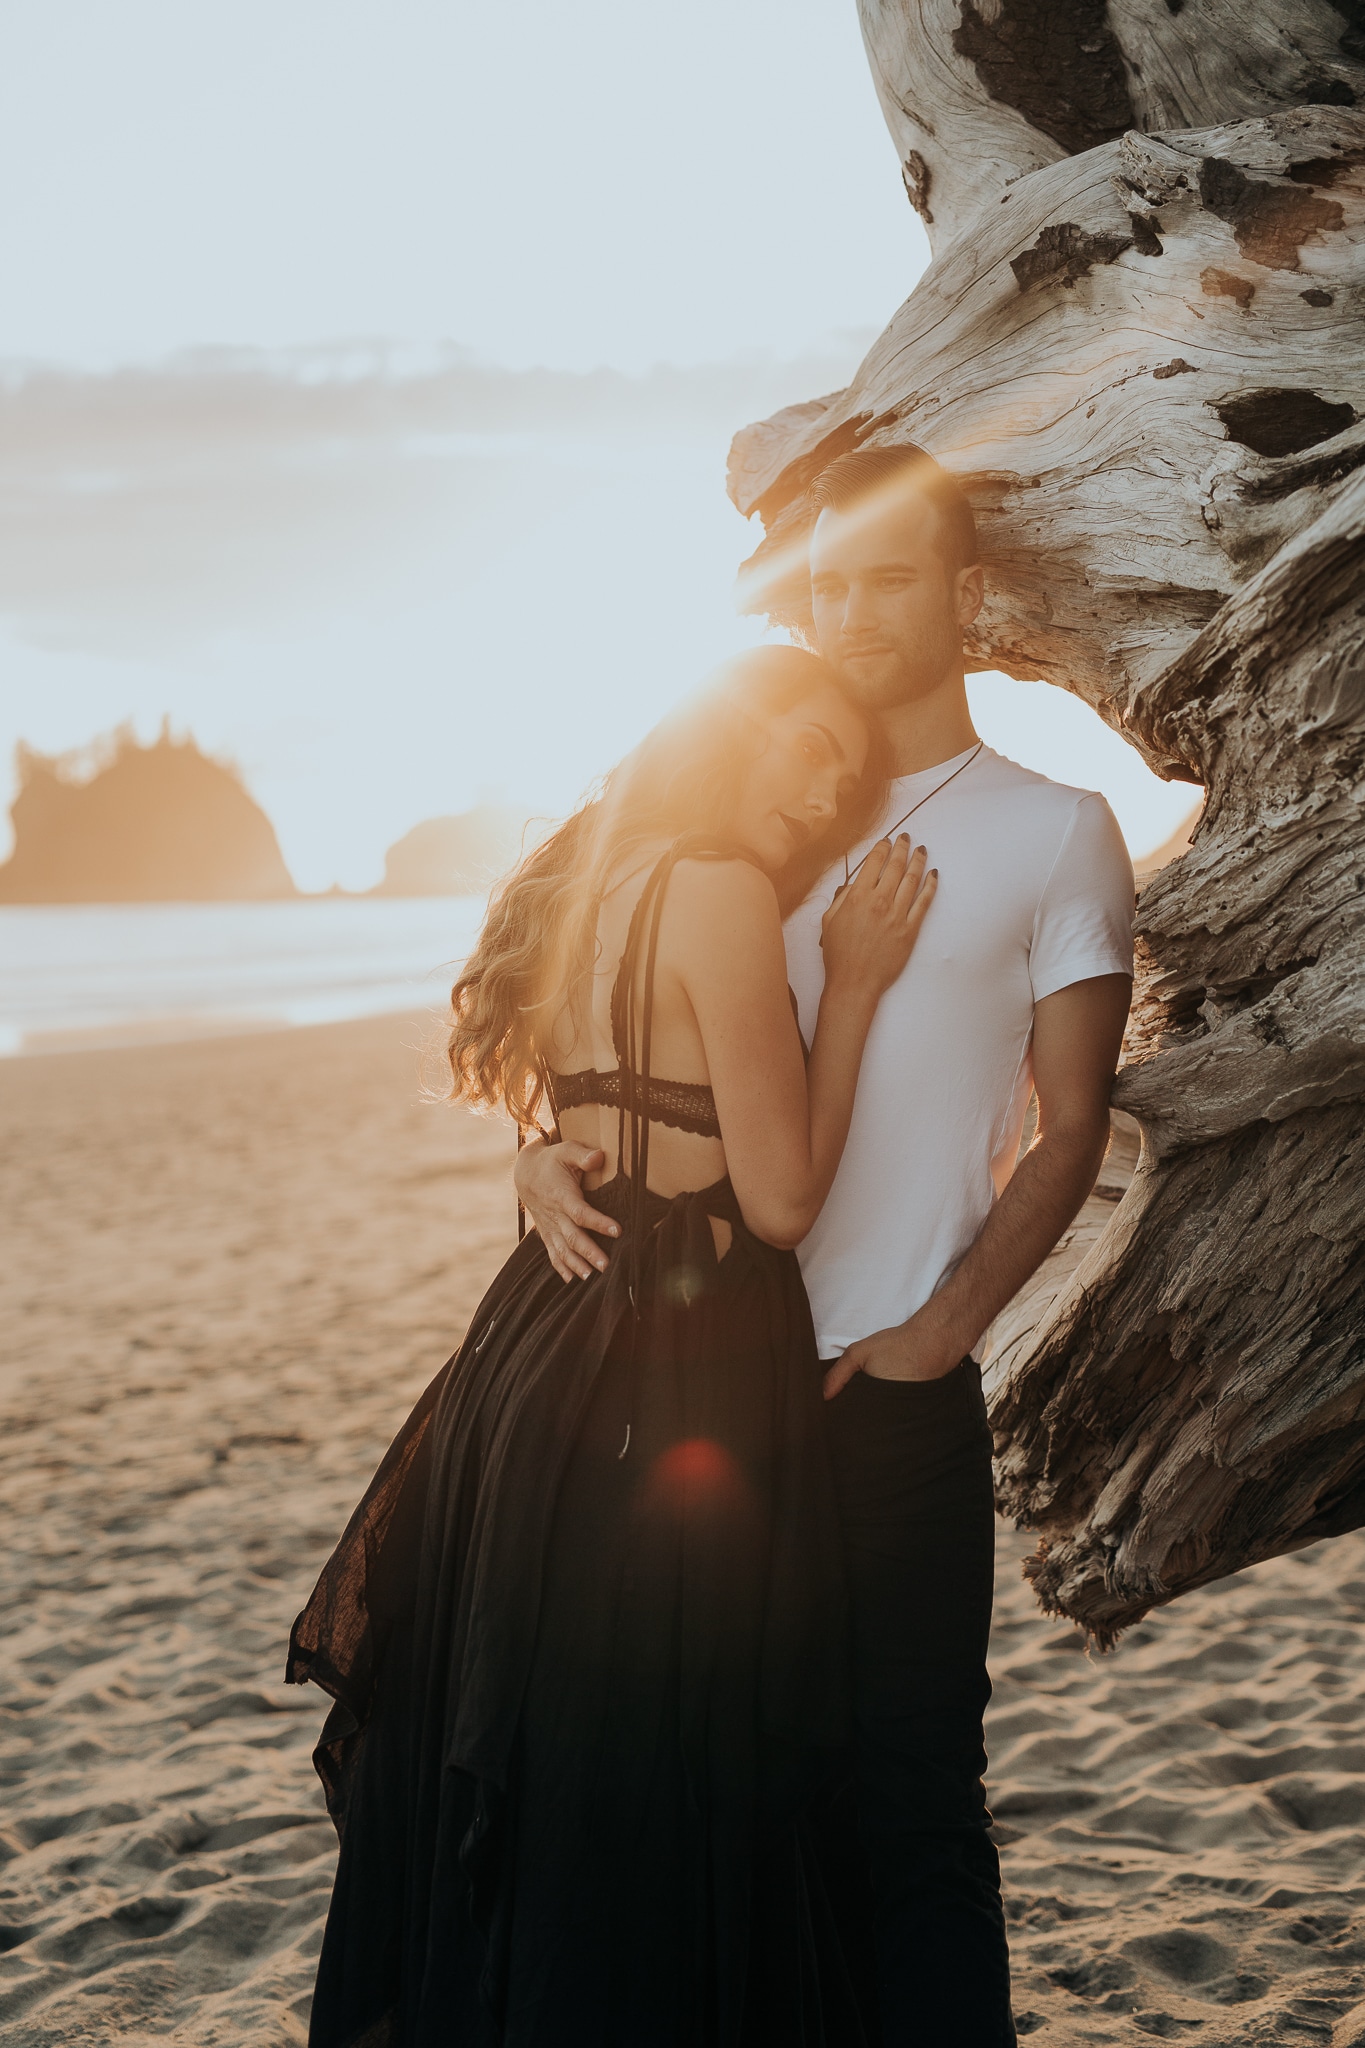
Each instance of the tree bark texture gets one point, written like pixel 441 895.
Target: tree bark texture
pixel 1143 353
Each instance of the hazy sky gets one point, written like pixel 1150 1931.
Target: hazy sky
pixel 598 183
pixel 273 455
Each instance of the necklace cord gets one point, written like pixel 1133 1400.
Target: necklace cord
pixel 961 768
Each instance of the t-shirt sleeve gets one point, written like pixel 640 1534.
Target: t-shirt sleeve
pixel 1084 924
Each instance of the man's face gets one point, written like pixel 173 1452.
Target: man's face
pixel 889 613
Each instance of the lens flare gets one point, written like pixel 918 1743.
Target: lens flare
pixel 697 1473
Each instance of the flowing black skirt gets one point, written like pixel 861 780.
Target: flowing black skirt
pixel 584 1701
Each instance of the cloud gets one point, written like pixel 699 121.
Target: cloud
pixel 380 583
pixel 145 512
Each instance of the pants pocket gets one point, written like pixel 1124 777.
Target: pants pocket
pixel 948 1384
pixel 951 1408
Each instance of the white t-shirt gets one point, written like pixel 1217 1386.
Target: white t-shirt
pixel 1035 892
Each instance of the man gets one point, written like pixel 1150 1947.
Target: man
pixel 1020 983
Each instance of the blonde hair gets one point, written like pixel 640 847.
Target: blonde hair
pixel 538 942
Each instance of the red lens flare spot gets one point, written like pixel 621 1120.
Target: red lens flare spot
pixel 697 1473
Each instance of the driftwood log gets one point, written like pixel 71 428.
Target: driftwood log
pixel 1141 346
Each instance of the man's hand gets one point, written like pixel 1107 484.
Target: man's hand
pixel 548 1181
pixel 916 1350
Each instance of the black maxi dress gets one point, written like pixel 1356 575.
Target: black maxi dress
pixel 584 1639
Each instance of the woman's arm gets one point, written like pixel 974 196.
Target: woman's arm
pixel 785 1123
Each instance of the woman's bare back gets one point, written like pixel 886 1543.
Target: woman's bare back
pixel 721 1026
pixel 679 1159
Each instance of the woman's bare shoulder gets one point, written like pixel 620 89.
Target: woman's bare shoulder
pixel 730 884
pixel 717 908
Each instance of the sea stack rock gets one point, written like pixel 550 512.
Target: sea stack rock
pixel 158 824
pixel 457 856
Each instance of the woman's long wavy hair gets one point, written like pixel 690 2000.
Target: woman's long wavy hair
pixel 538 945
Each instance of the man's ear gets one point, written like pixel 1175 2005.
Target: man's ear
pixel 971 593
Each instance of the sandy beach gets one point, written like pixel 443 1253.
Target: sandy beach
pixel 230 1267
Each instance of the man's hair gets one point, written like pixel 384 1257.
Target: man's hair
pixel 867 475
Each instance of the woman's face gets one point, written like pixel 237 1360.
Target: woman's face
pixel 812 757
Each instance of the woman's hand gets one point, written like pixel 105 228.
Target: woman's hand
pixel 869 931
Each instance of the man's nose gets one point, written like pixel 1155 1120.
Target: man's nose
pixel 859 615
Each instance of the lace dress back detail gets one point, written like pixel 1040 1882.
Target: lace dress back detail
pixel 684 1105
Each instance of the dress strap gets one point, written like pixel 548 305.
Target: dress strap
pixel 631 1042
pixel 623 1018
pixel 632 1038
pixel 635 1059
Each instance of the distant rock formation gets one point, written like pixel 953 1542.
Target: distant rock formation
pixel 457 856
pixel 158 824
pixel 1169 849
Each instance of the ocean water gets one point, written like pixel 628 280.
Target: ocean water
pixel 74 975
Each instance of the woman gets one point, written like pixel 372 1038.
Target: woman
pixel 583 1632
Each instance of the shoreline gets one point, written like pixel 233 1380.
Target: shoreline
pixel 90 977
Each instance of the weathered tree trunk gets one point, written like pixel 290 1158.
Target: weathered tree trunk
pixel 1144 354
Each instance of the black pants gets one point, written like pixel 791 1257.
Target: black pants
pixel 912 1467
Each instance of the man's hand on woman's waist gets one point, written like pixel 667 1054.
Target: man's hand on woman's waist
pixel 548 1180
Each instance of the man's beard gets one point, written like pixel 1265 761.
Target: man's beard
pixel 885 689
pixel 899 678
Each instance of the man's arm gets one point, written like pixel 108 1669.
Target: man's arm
pixel 549 1184
pixel 1077 1034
